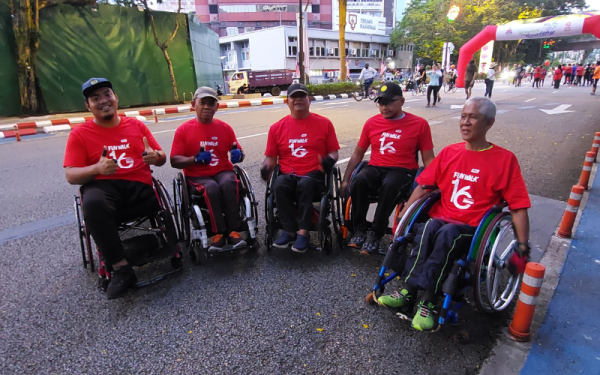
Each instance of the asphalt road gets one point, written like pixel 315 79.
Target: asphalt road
pixel 270 313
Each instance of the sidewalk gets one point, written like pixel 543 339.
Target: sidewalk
pixel 568 342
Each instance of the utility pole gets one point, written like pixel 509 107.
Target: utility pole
pixel 300 42
pixel 342 46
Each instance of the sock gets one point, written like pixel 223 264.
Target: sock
pixel 429 297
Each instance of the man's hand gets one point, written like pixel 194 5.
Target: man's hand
pixel 149 156
pixel 327 164
pixel 106 166
pixel 237 156
pixel 203 157
pixel 518 260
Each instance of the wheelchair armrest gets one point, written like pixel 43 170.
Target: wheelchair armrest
pixel 500 206
pixel 429 187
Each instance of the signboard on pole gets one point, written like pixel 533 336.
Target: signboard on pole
pixel 486 57
pixel 550 28
pixel 447 51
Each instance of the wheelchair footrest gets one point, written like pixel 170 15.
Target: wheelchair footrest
pixel 226 248
pixel 156 279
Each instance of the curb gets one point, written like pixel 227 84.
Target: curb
pixel 318 98
pixel 52 126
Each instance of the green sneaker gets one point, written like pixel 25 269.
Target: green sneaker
pixel 424 319
pixel 397 301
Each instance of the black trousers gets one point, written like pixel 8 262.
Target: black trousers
pixel 536 82
pixel 106 204
pixel 489 85
pixel 438 244
pixel 435 90
pixel 296 194
pixel 556 83
pixel 222 193
pixel 388 182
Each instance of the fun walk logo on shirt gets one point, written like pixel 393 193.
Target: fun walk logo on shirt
pixel 389 147
pixel 299 151
pixel 461 198
pixel 214 160
pixel 123 161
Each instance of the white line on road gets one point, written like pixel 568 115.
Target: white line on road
pixel 412 100
pixel 229 113
pixel 253 135
pixel 346 160
pixel 554 92
pixel 435 122
pixel 164 131
pixel 317 109
pixel 338 102
pixel 527 101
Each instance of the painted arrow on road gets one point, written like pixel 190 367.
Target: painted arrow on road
pixel 558 110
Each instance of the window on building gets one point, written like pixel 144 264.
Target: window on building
pixel 336 52
pixel 316 8
pixel 232 31
pixel 248 29
pixel 292 50
pixel 245 44
pixel 213 9
pixel 365 52
pixel 376 53
pixel 311 51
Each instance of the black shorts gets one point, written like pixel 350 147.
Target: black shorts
pixel 595 82
pixel 469 83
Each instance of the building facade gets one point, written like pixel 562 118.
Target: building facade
pixel 277 48
pixel 232 17
pixel 187 6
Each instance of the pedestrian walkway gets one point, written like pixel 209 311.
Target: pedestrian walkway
pixel 568 342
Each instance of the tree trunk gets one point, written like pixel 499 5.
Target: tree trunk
pixel 171 73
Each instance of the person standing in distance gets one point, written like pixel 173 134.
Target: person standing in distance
pixel 470 78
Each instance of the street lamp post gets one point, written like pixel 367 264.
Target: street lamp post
pixel 452 15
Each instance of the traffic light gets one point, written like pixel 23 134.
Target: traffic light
pixel 549 43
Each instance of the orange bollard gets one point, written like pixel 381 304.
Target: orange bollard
pixel 566 225
pixel 596 145
pixel 17 133
pixel 587 169
pixel 519 328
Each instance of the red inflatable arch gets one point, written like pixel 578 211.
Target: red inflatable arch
pixel 548 27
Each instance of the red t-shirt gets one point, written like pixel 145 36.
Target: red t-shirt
pixel 472 182
pixel 394 143
pixel 558 74
pixel 537 73
pixel 125 143
pixel 216 137
pixel 298 143
pixel 580 70
pixel 567 70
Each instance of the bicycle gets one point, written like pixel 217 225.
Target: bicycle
pixel 420 88
pixel 449 87
pixel 359 95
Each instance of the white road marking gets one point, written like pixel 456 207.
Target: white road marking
pixel 164 131
pixel 558 110
pixel 346 160
pixel 502 111
pixel 528 107
pixel 229 113
pixel 456 106
pixel 554 92
pixel 436 122
pixel 316 109
pixel 338 102
pixel 526 101
pixel 253 135
pixel 412 100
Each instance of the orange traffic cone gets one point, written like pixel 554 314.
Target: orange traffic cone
pixel 519 328
pixel 566 225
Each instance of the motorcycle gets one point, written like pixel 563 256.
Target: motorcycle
pixel 219 89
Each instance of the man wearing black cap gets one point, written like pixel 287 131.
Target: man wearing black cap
pixel 201 147
pixel 111 157
pixel 395 137
pixel 305 146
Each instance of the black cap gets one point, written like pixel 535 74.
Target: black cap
pixel 389 90
pixel 94 83
pixel 296 87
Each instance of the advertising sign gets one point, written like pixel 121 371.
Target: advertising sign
pixel 362 24
pixel 549 28
pixel 485 59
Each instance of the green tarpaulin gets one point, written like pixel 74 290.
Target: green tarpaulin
pixel 10 102
pixel 114 42
pixel 205 47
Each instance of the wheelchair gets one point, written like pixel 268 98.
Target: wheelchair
pixel 346 202
pixel 324 205
pixel 194 216
pixel 482 271
pixel 148 238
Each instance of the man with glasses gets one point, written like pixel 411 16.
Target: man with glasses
pixel 395 137
pixel 305 146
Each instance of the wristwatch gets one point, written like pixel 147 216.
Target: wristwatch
pixel 523 248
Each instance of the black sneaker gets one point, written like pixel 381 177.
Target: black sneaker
pixel 357 240
pixel 371 245
pixel 122 279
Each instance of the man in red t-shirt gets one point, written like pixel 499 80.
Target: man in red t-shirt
pixel 579 72
pixel 201 147
pixel 537 75
pixel 558 73
pixel 305 145
pixel 111 157
pixel 395 137
pixel 473 177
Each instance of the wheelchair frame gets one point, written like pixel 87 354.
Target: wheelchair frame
pixel 160 224
pixel 346 221
pixel 484 255
pixel 196 239
pixel 330 204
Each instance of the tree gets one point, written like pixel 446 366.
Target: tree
pixel 26 27
pixel 162 45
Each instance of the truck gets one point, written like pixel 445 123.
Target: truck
pixel 271 81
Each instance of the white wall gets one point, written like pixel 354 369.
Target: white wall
pixel 267 49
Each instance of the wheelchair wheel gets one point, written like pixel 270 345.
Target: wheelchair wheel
pixel 167 206
pixel 336 207
pixel 495 287
pixel 182 200
pixel 197 253
pixel 80 229
pixel 243 177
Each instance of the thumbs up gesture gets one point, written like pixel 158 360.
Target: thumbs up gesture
pixel 106 166
pixel 203 157
pixel 149 155
pixel 237 156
